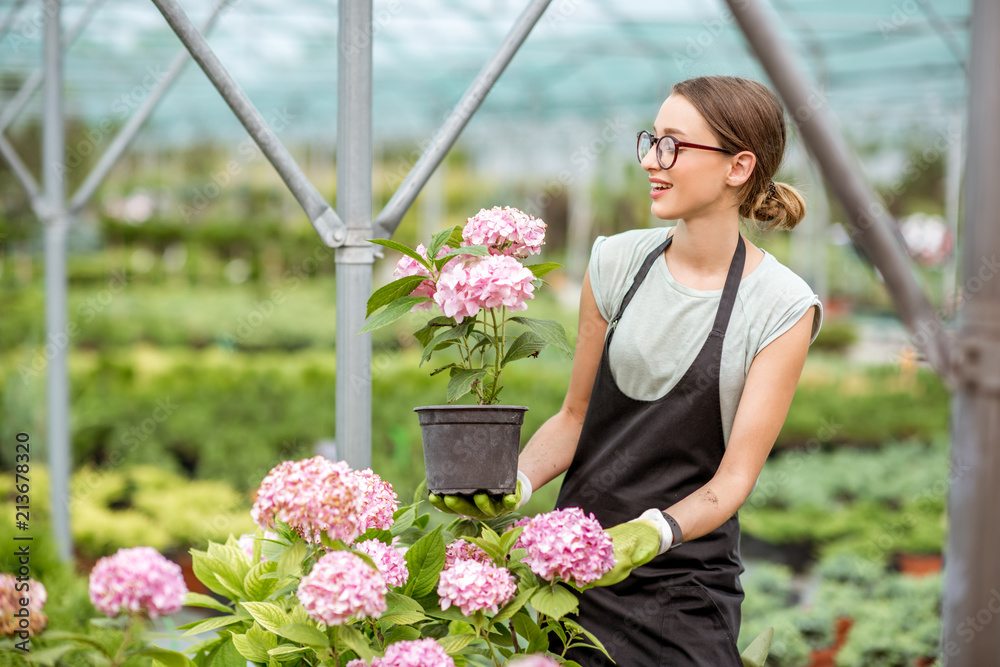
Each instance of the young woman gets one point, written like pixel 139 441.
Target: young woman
pixel 691 341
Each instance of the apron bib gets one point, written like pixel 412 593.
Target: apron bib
pixel 681 609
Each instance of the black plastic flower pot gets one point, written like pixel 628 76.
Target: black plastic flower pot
pixel 471 448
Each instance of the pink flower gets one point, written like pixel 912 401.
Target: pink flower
pixel 461 550
pixel 357 662
pixel 246 541
pixel 464 288
pixel 137 579
pixel 472 586
pixel 342 585
pixel 312 496
pixel 379 501
pixel 390 562
pixel 415 653
pixel 507 230
pixel 10 603
pixel 569 545
pixel 522 522
pixel 407 266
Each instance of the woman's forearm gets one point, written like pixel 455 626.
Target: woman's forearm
pixel 710 506
pixel 550 450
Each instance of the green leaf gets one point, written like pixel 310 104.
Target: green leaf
pixel 386 294
pixel 402 617
pixel 399 247
pixel 209 624
pixel 425 334
pixel 233 556
pixel 303 634
pixel 287 649
pixel 270 616
pixel 447 335
pixel 199 600
pixel 492 548
pixel 257 586
pixel 578 629
pixel 515 605
pixel 438 241
pixel 206 569
pixel 395 601
pixel 400 633
pixel 48 656
pixel 510 537
pixel 350 637
pixel 469 250
pixel 555 601
pixel 527 628
pixel 452 644
pixel 755 654
pixel 461 383
pixel 392 312
pixel 541 269
pixel 402 519
pixel 425 560
pixel 455 240
pixel 290 561
pixel 166 657
pixel 528 344
pixel 549 330
pixel 226 655
pixel 248 651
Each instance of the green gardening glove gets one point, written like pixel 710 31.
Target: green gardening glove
pixel 636 543
pixel 484 506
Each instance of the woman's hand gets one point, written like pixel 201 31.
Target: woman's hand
pixel 636 543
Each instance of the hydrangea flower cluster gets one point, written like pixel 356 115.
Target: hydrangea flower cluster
pixel 464 288
pixel 569 545
pixel 312 496
pixel 415 653
pixel 135 580
pixel 389 561
pixel 10 599
pixel 461 550
pixel 246 541
pixel 534 660
pixel 473 586
pixel 508 230
pixel 407 266
pixel 341 585
pixel 379 501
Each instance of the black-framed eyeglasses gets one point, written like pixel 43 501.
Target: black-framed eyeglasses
pixel 666 148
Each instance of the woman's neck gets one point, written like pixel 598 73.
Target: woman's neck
pixel 704 247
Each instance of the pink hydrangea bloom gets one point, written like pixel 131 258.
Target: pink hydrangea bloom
pixel 507 230
pixel 522 522
pixel 569 545
pixel 341 585
pixel 137 579
pixel 10 604
pixel 466 287
pixel 472 586
pixel 389 561
pixel 379 501
pixel 246 541
pixel 461 550
pixel 534 660
pixel 312 496
pixel 415 653
pixel 407 266
pixel 357 662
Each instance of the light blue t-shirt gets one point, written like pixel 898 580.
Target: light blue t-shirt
pixel 666 323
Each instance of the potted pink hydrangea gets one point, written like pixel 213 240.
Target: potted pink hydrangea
pixel 474 277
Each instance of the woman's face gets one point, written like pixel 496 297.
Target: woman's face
pixel 696 185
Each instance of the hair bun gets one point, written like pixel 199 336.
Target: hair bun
pixel 779 204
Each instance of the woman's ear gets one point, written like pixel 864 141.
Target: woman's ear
pixel 741 167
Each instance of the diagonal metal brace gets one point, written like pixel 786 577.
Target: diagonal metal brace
pixel 324 219
pixel 402 199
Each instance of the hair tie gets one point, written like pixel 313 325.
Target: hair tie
pixel 770 189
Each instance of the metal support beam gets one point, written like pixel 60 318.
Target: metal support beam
pixel 871 224
pixel 330 228
pixel 445 138
pixel 355 259
pixel 972 578
pixel 8 20
pixel 135 123
pixel 32 83
pixel 23 174
pixel 57 389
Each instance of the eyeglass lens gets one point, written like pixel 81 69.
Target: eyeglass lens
pixel 664 149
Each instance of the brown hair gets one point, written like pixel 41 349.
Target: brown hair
pixel 745 115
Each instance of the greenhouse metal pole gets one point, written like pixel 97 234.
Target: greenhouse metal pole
pixel 57 338
pixel 322 216
pixel 127 133
pixel 356 257
pixel 971 605
pixel 871 224
pixel 8 20
pixel 23 175
pixel 445 138
pixel 32 83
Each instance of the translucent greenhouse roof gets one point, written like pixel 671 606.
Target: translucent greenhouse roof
pixel 884 66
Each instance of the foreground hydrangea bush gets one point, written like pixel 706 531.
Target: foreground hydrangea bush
pixel 346 577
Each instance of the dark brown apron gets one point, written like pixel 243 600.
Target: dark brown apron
pixel 682 608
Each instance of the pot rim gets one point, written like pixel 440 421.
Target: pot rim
pixel 471 407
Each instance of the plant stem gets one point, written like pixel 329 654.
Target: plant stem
pixel 333 646
pixel 513 635
pixel 121 654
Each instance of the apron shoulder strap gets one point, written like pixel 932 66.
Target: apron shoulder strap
pixel 640 276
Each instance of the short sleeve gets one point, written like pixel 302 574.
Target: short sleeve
pixel 596 283
pixel 792 313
